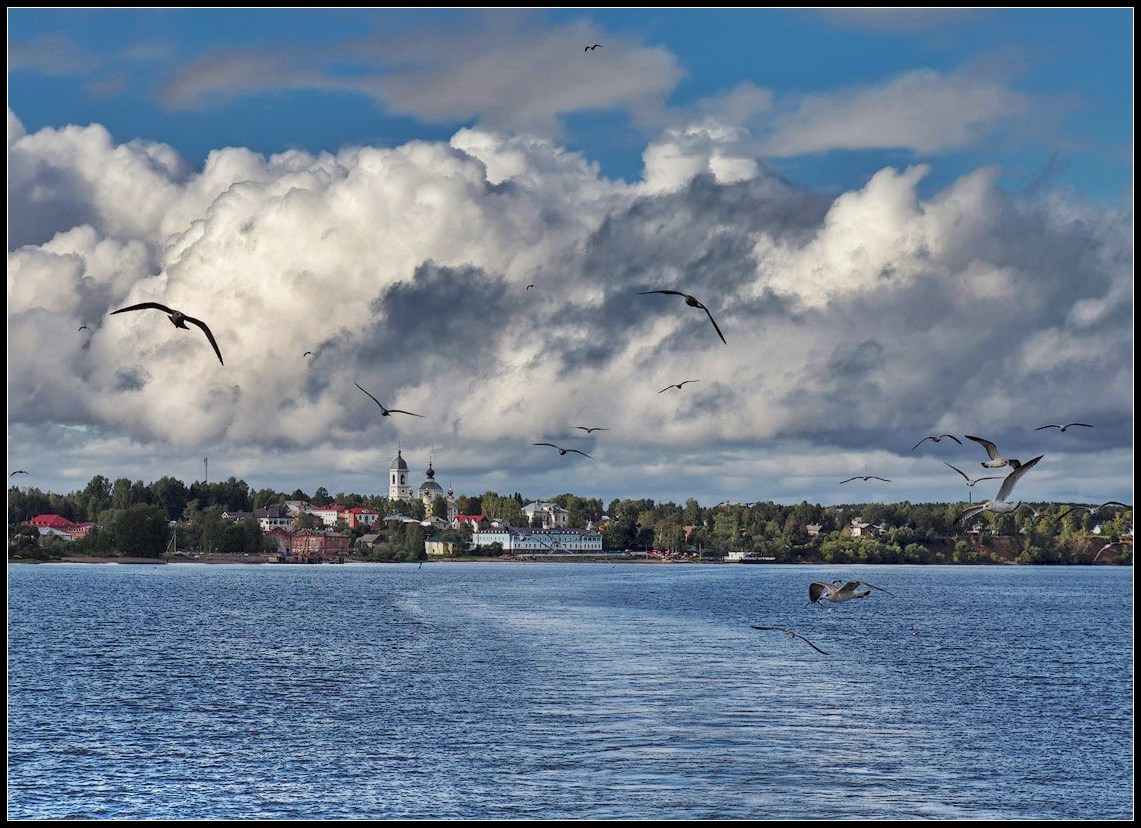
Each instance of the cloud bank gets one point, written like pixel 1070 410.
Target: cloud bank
pixel 856 324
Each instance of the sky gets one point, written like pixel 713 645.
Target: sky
pixel 905 222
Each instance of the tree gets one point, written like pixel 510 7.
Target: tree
pixel 171 496
pixel 141 531
pixel 440 507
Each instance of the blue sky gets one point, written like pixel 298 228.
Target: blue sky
pixel 821 177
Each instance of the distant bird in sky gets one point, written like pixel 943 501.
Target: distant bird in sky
pixel 387 411
pixel 310 353
pixel 82 328
pixel 1063 427
pixel 977 479
pixel 825 591
pixel 16 472
pixel 178 319
pixel 677 385
pixel 693 302
pixel 791 634
pixel 1001 502
pixel 528 287
pixel 593 428
pixel 996 461
pixel 865 477
pixel 563 450
pixel 936 438
pixel 1093 510
pixel 591 48
pixel 1122 544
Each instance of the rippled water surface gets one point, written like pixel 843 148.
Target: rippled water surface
pixel 567 691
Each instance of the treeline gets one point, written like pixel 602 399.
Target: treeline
pixel 134 518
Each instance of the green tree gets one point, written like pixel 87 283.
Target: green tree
pixel 141 531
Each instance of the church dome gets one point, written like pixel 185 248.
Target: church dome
pixel 430 485
pixel 399 462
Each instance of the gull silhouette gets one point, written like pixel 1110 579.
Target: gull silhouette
pixel 977 479
pixel 693 302
pixel 178 319
pixel 528 287
pixel 1063 427
pixel 387 411
pixel 1000 502
pixel 82 328
pixel 936 438
pixel 996 461
pixel 594 428
pixel 791 634
pixel 1122 544
pixel 595 46
pixel 677 385
pixel 865 477
pixel 1093 510
pixel 16 472
pixel 823 590
pixel 563 450
pixel 310 353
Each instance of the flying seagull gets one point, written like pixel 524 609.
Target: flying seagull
pixel 82 328
pixel 996 461
pixel 1062 427
pixel 1000 502
pixel 977 479
pixel 16 472
pixel 386 411
pixel 936 438
pixel 822 590
pixel 1093 510
pixel 310 353
pixel 1109 545
pixel 594 428
pixel 865 477
pixel 693 302
pixel 563 450
pixel 677 385
pixel 178 319
pixel 791 634
pixel 591 48
pixel 528 287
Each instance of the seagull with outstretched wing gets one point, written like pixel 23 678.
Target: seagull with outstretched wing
pixel 1063 427
pixel 177 318
pixel 563 450
pixel 791 634
pixel 387 411
pixel 693 302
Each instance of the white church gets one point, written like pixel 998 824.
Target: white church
pixel 399 487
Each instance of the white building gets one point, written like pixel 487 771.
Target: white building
pixel 398 486
pixel 551 515
pixel 540 541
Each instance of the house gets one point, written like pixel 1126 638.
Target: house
pixel 476 522
pixel 275 517
pixel 328 515
pixel 860 529
pixel 546 515
pixel 434 547
pixel 315 546
pixel 236 516
pixel 360 516
pixel 813 529
pixel 61 526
